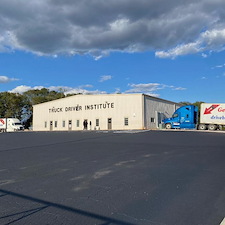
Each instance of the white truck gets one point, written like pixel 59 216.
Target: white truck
pixel 10 125
pixel 212 116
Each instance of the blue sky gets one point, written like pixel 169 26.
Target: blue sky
pixel 174 52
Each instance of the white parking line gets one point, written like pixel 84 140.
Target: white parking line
pixel 223 222
pixel 129 131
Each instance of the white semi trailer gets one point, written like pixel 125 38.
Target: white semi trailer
pixel 10 125
pixel 212 116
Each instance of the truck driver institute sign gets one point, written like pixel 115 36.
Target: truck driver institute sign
pixel 102 106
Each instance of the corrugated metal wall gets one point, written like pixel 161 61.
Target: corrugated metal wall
pixel 156 110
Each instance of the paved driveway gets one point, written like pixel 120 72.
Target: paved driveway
pixel 108 178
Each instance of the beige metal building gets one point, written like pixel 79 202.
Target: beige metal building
pixel 102 112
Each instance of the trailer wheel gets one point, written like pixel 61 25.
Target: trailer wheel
pixel 212 127
pixel 168 126
pixel 202 127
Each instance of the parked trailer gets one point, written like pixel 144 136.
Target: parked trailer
pixel 10 125
pixel 212 117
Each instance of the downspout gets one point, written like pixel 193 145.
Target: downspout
pixel 143 112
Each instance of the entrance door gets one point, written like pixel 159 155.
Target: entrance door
pixel 159 118
pixel 51 125
pixel 85 124
pixel 109 123
pixel 70 125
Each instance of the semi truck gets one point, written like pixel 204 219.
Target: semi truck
pixel 10 125
pixel 212 117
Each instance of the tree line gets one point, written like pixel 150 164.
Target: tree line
pixel 19 106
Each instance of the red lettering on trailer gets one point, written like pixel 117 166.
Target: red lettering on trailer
pixel 2 121
pixel 220 109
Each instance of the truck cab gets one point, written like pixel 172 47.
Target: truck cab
pixel 14 125
pixel 10 125
pixel 184 117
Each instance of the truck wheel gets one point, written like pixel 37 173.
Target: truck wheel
pixel 212 126
pixel 168 126
pixel 202 127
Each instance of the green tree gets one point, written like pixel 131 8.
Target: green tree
pixel 33 97
pixel 11 105
pixel 185 103
pixel 44 95
pixel 198 104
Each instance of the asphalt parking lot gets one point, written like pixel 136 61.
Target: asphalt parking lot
pixel 108 178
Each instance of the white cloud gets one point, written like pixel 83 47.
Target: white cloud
pixel 171 28
pixel 86 86
pixel 84 91
pixel 105 78
pixel 65 89
pixel 185 49
pixel 23 88
pixel 5 79
pixel 117 91
pixel 213 40
pixel 179 89
pixel 204 55
pixel 220 66
pixel 144 88
pixel 119 25
pixel 151 88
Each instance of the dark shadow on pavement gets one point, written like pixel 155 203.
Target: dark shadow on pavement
pixel 3 195
pixel 106 220
pixel 27 213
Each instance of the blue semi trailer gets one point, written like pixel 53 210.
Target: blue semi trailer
pixel 184 117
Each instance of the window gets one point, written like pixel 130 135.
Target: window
pixel 78 123
pixel 126 121
pixel 63 123
pixel 97 122
pixel 175 115
pixel 56 123
pixel 152 120
pixel 45 124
